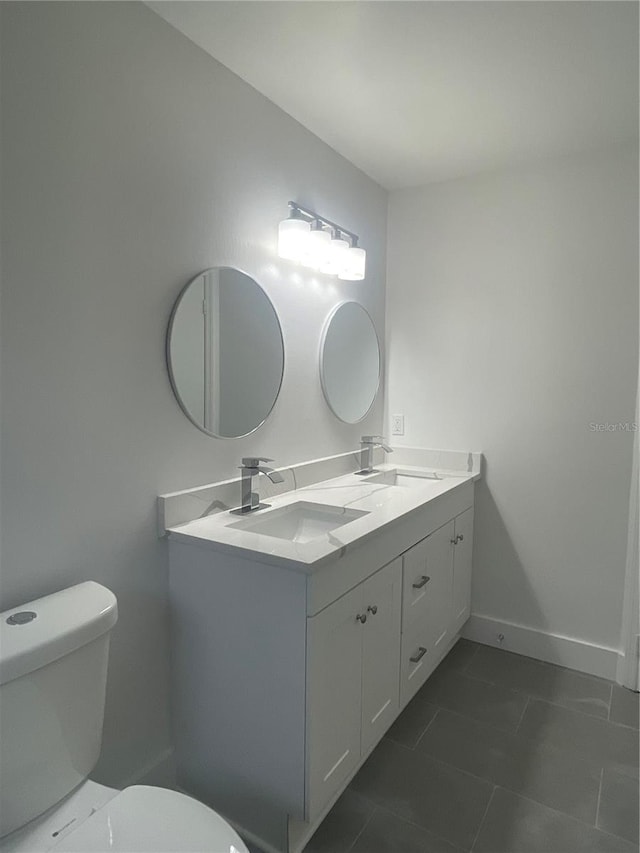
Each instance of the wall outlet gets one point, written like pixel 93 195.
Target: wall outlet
pixel 397 424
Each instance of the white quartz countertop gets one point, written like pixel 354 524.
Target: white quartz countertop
pixel 383 503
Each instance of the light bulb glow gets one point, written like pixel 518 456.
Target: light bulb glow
pixel 336 259
pixel 354 264
pixel 292 236
pixel 317 248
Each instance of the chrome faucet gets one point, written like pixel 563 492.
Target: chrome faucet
pixel 367 445
pixel 250 467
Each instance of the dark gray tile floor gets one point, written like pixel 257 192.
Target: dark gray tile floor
pixel 624 707
pixel 497 753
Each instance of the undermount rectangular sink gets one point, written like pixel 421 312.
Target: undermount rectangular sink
pixel 299 522
pixel 408 479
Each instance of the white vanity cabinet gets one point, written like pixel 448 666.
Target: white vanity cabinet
pixel 286 675
pixel 353 662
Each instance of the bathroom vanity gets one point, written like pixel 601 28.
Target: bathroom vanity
pixel 302 630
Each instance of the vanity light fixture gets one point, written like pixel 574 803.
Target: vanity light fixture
pixel 293 234
pixel 320 244
pixel 317 246
pixel 336 260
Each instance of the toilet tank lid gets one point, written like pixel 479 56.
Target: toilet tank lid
pixel 63 622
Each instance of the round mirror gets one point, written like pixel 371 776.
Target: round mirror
pixel 225 353
pixel 350 362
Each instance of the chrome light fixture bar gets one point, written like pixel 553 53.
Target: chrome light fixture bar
pixel 318 243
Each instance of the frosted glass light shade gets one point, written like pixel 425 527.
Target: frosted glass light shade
pixel 335 261
pixel 292 238
pixel 354 264
pixel 317 249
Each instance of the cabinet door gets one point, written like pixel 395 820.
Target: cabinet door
pixel 382 599
pixel 334 706
pixel 462 569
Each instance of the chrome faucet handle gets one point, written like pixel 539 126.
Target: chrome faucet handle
pixel 253 461
pixel 378 440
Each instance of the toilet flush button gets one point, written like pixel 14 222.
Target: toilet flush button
pixel 21 618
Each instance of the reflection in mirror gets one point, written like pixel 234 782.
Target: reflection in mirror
pixel 225 353
pixel 350 362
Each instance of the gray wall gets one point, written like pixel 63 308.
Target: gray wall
pixel 512 317
pixel 131 160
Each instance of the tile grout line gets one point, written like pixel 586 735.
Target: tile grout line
pixel 365 825
pixel 521 794
pixel 384 737
pixel 485 680
pixel 564 814
pixel 536 696
pixel 575 711
pixel 518 733
pixel 613 722
pixel 473 677
pixel 507 733
pixel 599 797
pixel 436 702
pixel 429 724
pixel 455 766
pixel 471 659
pixel 402 819
pixel 524 711
pixel 560 812
pixel 484 817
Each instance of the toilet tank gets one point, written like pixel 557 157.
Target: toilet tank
pixel 53 676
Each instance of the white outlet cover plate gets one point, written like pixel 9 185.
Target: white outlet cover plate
pixel 397 424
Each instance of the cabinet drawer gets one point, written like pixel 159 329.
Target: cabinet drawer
pixel 417 660
pixel 427 573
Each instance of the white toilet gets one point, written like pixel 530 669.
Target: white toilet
pixel 53 673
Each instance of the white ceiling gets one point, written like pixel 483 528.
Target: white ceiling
pixel 412 92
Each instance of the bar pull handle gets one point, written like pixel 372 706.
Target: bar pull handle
pixel 418 655
pixel 422 582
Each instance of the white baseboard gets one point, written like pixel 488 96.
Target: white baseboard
pixel 553 648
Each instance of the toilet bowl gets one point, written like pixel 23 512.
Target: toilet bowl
pixel 53 666
pixel 139 819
